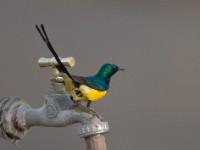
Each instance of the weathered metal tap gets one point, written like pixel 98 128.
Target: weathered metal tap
pixel 17 117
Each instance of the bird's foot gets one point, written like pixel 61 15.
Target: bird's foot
pixel 89 103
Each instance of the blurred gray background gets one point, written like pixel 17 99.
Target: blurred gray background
pixel 153 105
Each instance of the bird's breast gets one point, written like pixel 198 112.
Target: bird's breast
pixel 90 93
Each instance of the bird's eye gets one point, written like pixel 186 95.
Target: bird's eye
pixel 117 68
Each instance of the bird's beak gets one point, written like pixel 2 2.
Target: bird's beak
pixel 120 69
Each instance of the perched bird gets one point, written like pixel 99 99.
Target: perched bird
pixel 80 88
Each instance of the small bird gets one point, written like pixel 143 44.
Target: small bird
pixel 80 88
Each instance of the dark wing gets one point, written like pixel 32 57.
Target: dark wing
pixel 92 82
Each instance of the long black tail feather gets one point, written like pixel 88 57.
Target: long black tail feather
pixel 44 36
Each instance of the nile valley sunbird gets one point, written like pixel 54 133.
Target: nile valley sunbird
pixel 80 88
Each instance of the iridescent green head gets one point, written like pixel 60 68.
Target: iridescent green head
pixel 107 71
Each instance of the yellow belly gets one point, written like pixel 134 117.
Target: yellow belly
pixel 91 94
